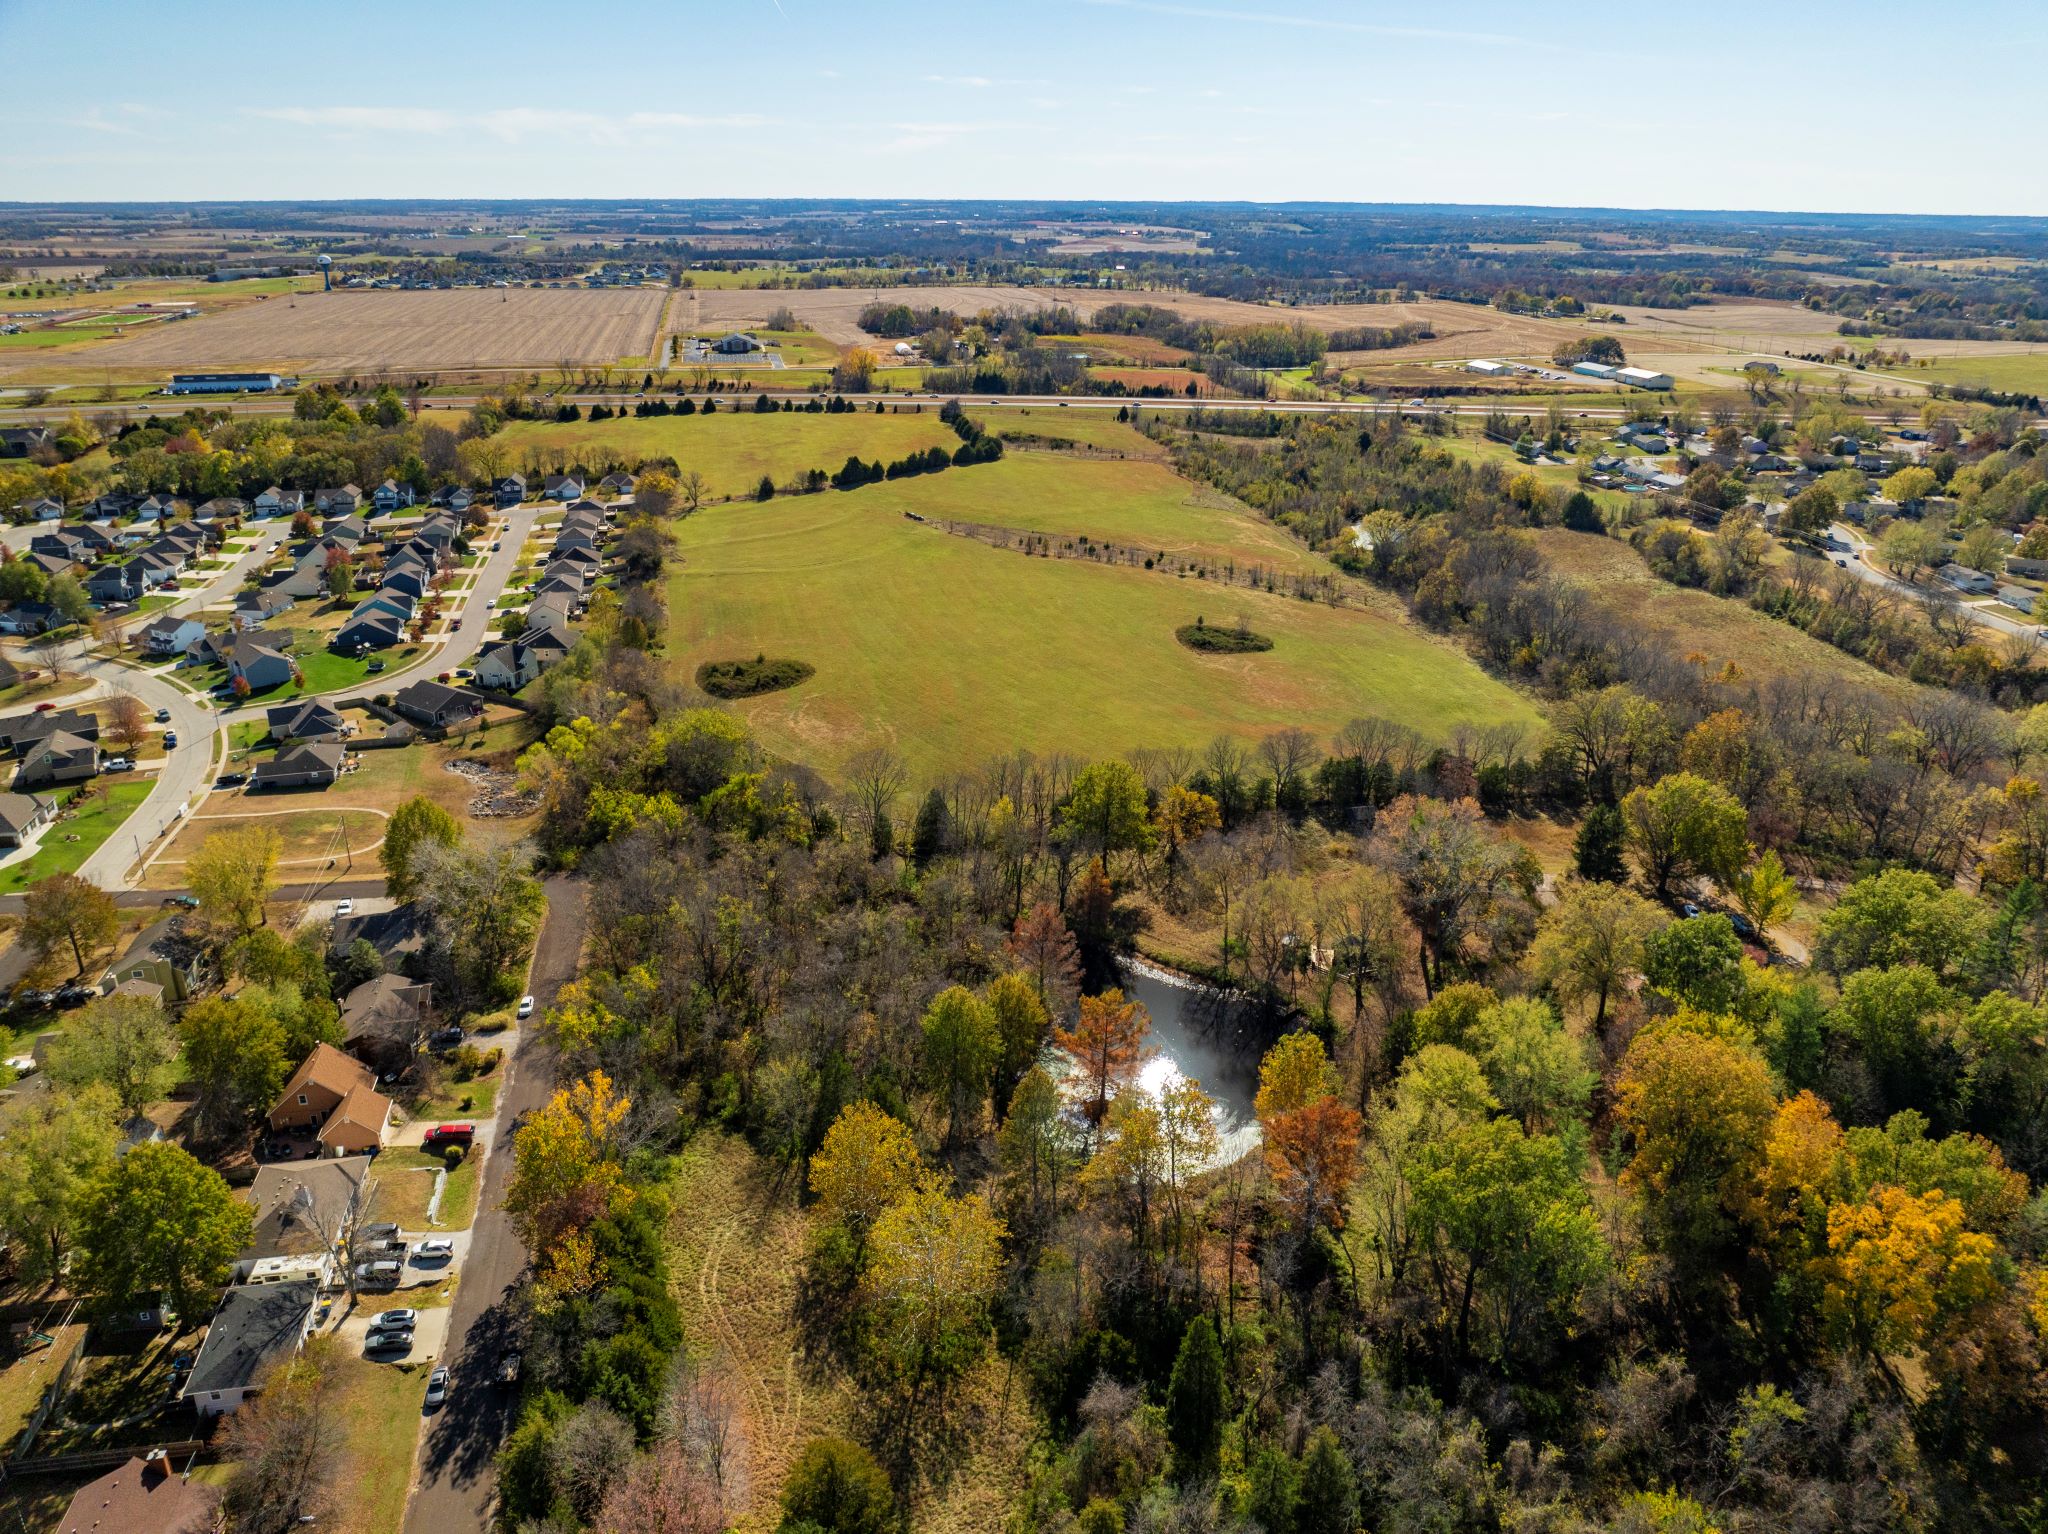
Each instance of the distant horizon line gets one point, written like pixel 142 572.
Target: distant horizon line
pixel 1077 204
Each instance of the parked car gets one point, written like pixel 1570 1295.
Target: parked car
pixel 444 1135
pixel 170 740
pixel 388 1342
pixel 389 1320
pixel 1688 910
pixel 437 1388
pixel 183 902
pixel 525 1008
pixel 383 1274
pixel 383 1230
pixel 74 994
pixel 163 716
pixel 436 1248
pixel 508 1369
pixel 344 908
pixel 445 1039
pixel 117 764
pixel 231 780
pixel 33 996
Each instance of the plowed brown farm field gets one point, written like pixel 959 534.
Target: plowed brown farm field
pixel 1462 330
pixel 355 332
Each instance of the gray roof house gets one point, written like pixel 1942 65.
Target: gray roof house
pixel 170 635
pixel 162 955
pixel 432 703
pixel 256 658
pixel 302 1207
pixel 314 764
pixel 307 719
pixel 22 815
pixel 59 758
pixel 256 1327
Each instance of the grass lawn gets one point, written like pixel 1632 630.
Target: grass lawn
pixel 475 1098
pixel 735 447
pixel 2008 372
pixel 119 1374
pixel 68 843
pixel 23 1381
pixel 736 1249
pixel 379 1407
pixel 953 652
pixel 42 690
pixel 1089 428
pixel 402 1189
pixel 1131 502
pixel 1719 629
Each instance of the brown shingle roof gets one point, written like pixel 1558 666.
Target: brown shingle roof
pixel 142 1497
pixel 328 1068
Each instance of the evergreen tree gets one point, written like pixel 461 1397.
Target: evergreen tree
pixel 928 837
pixel 1329 1490
pixel 1597 852
pixel 1194 1401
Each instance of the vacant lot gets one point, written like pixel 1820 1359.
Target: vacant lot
pixel 360 332
pixel 1134 502
pixel 733 449
pixel 952 651
pixel 1717 630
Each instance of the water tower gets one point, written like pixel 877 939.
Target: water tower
pixel 326 265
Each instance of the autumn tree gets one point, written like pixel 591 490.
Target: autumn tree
pixel 837 1487
pixel 1900 916
pixel 1695 1108
pixel 1312 1154
pixel 1460 882
pixel 961 1047
pixel 1021 1021
pixel 232 872
pixel 1106 1046
pixel 1536 1069
pixel 1295 1072
pixel 867 1162
pixel 235 1053
pixel 1682 826
pixel 1901 1265
pixel 123 1042
pixel 127 720
pixel 1047 952
pixel 1106 809
pixel 413 825
pixel 936 1262
pixel 283 1446
pixel 1764 893
pixel 566 1174
pixel 1184 816
pixel 158 1222
pixel 1592 941
pixel 65 911
pixel 53 1153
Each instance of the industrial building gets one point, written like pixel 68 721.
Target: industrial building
pixel 226 383
pixel 1594 369
pixel 1488 369
pixel 1642 378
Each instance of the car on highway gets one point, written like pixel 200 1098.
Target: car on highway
pixel 525 1008
pixel 344 908
pixel 437 1388
pixel 394 1320
pixel 433 1249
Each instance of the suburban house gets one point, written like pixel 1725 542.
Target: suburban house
pixel 409 576
pixel 438 533
pixel 306 578
pixel 56 759
pixel 161 955
pixel 256 1327
pixel 20 441
pixel 51 564
pixel 21 731
pixel 387 1015
pixel 29 618
pixel 256 607
pixel 280 503
pixel 156 508
pixel 509 664
pixel 1964 579
pixel 509 490
pixel 344 533
pixel 438 705
pixel 256 658
pixel 303 1209
pixel 618 486
pixel 369 627
pixel 43 509
pixel 115 583
pixel 67 543
pixel 307 719
pixel 398 934
pixel 169 635
pixel 456 498
pixel 391 495
pixel 22 815
pixel 222 508
pixel 562 487
pixel 333 1098
pixel 337 500
pixel 143 1496
pixel 315 764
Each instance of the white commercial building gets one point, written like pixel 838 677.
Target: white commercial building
pixel 1642 378
pixel 1488 369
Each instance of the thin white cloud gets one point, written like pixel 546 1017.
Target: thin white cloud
pixel 1315 23
pixel 509 125
pixel 983 82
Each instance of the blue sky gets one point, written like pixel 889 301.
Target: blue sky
pixel 1874 107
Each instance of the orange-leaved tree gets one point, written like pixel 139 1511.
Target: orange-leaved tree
pixel 1106 1046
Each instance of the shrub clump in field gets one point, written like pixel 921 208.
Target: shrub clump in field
pixel 750 678
pixel 1237 639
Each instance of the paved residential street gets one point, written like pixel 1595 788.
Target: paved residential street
pixel 456 1487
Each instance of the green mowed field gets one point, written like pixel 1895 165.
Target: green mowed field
pixel 2008 372
pixel 734 448
pixel 951 651
pixel 1087 427
pixel 1132 502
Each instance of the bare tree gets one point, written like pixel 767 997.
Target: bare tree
pixel 283 1444
pixel 875 779
pixel 128 720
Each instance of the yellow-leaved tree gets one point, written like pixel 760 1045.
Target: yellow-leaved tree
pixel 867 1162
pixel 1900 1265
pixel 566 1174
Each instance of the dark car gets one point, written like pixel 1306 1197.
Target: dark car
pixel 231 780
pixel 74 994
pixel 186 902
pixel 446 1038
pixel 382 1231
pixel 388 1342
pixel 32 996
